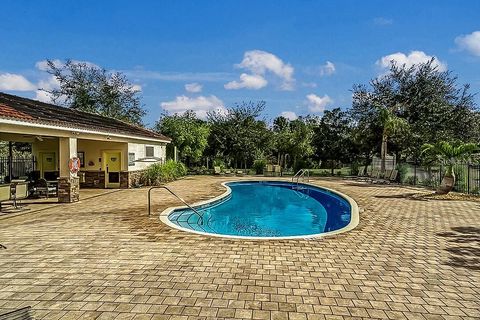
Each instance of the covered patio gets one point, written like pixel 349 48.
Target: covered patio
pixel 111 153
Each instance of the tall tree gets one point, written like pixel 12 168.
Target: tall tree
pixel 189 134
pixel 332 139
pixel 293 140
pixel 429 100
pixel 392 125
pixel 89 88
pixel 238 134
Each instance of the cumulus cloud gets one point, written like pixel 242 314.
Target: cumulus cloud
pixel 200 105
pixel 413 58
pixel 15 82
pixel 259 63
pixel 327 69
pixel 318 104
pixel 193 87
pixel 470 43
pixel 247 81
pixel 290 115
pixel 49 83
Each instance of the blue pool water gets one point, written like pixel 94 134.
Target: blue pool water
pixel 269 209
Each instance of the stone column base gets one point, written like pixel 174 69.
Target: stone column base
pixel 68 189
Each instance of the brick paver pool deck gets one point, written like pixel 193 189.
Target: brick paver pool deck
pixel 104 258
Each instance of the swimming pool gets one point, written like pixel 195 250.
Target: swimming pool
pixel 268 209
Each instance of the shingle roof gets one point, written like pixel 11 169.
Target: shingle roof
pixel 28 110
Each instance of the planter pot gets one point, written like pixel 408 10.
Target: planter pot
pixel 447 184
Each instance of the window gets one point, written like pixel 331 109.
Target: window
pixel 131 159
pixel 81 156
pixel 149 151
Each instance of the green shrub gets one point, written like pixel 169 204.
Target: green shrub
pixel 402 172
pixel 158 173
pixel 219 163
pixel 259 165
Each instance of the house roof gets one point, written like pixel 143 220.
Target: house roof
pixel 28 110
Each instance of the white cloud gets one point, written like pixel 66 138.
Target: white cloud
pixel 137 87
pixel 469 42
pixel 260 62
pixel 318 104
pixel 43 65
pixel 247 81
pixel 43 96
pixel 15 82
pixel 327 69
pixel 290 115
pixel 194 87
pixel 413 58
pixel 200 105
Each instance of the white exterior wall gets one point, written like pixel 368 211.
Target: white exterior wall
pixel 138 149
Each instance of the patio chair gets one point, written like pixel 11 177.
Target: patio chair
pixel 277 170
pixel 229 172
pixel 5 193
pixel 268 171
pixel 374 173
pixel 390 176
pixel 239 173
pixel 361 174
pixel 217 171
pixel 19 314
pixel 41 188
pixel 20 192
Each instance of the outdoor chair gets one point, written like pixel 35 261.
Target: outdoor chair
pixel 20 192
pixel 5 193
pixel 229 172
pixel 361 174
pixel 277 170
pixel 19 314
pixel 268 171
pixel 217 171
pixel 41 188
pixel 239 173
pixel 370 175
pixel 389 178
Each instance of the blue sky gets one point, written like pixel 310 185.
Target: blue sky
pixel 300 57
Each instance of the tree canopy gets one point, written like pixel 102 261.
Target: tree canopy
pixel 89 88
pixel 188 133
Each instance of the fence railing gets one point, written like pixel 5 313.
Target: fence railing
pixel 20 167
pixel 467 176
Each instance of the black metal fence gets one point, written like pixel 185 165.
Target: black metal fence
pixel 21 167
pixel 467 176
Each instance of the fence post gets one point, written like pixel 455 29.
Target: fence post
pixel 415 174
pixel 440 175
pixel 468 178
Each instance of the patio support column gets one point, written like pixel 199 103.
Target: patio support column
pixel 68 183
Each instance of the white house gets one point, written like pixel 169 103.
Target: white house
pixel 112 152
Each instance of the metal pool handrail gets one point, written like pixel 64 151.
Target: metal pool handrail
pixel 301 174
pixel 176 196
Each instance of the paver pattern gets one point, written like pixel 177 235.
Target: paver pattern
pixel 104 258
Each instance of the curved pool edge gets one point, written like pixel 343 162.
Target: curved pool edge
pixel 354 220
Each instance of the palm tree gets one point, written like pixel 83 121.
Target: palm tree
pixel 392 125
pixel 449 154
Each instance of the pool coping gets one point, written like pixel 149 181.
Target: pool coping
pixel 354 220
